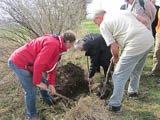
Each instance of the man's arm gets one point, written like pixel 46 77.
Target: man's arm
pixel 115 52
pixel 94 65
pixel 150 10
pixel 142 19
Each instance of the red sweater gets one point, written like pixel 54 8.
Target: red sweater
pixel 42 53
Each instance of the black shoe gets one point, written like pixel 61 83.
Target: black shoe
pixel 158 81
pixel 150 75
pixel 132 94
pixel 114 108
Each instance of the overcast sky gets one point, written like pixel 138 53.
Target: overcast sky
pixel 158 2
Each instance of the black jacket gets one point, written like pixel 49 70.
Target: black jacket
pixel 155 22
pixel 99 53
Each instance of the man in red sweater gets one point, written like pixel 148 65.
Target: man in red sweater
pixel 38 56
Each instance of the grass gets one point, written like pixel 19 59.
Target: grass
pixel 146 107
pixel 90 26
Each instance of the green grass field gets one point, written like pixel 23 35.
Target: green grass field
pixel 145 107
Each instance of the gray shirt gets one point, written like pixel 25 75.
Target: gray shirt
pixel 148 12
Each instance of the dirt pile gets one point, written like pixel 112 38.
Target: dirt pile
pixel 89 108
pixel 70 81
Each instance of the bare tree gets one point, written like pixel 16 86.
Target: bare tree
pixel 32 18
pixel 24 20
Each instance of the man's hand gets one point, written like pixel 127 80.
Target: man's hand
pixel 42 86
pixel 52 89
pixel 114 60
pixel 90 79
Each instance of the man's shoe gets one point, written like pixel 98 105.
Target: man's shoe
pixel 132 94
pixel 114 108
pixel 150 75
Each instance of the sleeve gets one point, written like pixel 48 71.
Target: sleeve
pixel 94 66
pixel 107 35
pixel 150 9
pixel 48 52
pixel 51 77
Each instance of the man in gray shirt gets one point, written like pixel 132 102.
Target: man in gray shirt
pixel 123 30
pixel 144 11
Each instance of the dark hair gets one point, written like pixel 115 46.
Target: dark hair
pixel 69 35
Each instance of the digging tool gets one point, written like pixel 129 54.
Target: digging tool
pixel 64 97
pixel 107 87
pixel 109 72
pixel 61 96
pixel 88 73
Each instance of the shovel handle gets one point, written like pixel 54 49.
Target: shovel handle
pixel 108 71
pixel 61 96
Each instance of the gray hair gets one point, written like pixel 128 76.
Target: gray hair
pixel 98 13
pixel 79 44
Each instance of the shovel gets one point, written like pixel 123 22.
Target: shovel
pixel 61 96
pixel 90 90
pixel 109 72
pixel 106 85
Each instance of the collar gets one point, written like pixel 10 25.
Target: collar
pixel 62 46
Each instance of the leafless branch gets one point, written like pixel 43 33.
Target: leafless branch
pixel 24 20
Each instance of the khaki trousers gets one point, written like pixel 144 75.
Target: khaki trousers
pixel 156 56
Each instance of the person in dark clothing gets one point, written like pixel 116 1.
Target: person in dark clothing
pixel 154 24
pixel 95 47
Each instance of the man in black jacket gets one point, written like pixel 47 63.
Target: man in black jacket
pixel 154 24
pixel 95 47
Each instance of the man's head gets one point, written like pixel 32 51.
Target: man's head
pixel 98 16
pixel 153 1
pixel 69 38
pixel 79 44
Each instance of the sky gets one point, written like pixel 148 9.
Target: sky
pixel 108 5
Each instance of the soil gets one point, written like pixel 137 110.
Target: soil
pixel 71 81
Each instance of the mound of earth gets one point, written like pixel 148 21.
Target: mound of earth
pixel 70 81
pixel 89 108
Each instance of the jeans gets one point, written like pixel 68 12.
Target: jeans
pixel 128 66
pixel 25 78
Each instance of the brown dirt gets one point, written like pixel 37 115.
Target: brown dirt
pixel 70 81
pixel 104 90
pixel 90 108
